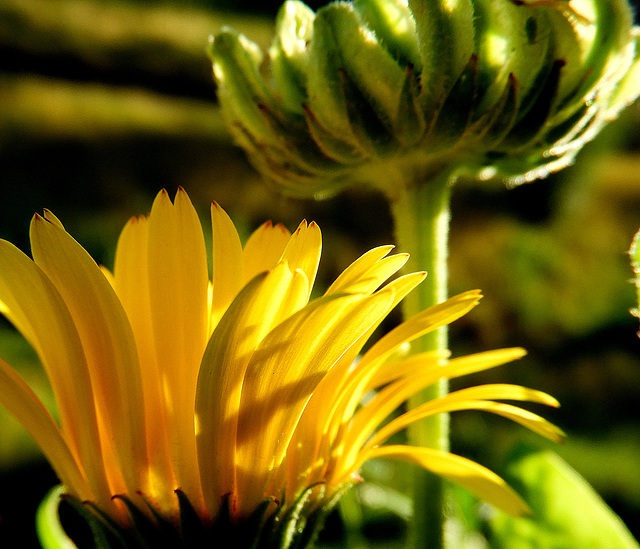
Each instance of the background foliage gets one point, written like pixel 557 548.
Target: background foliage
pixel 104 102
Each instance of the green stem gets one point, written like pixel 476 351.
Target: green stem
pixel 421 216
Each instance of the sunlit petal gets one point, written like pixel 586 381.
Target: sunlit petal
pixel 108 345
pixel 342 388
pixel 475 478
pixel 368 272
pixel 503 391
pixel 20 400
pixel 422 371
pixel 248 320
pixel 358 270
pixel 178 295
pixel 31 302
pixel 282 375
pixel 479 362
pixel 445 404
pixel 303 250
pixel 264 248
pixel 350 381
pixel 402 367
pixel 131 281
pixel 226 257
pixel 424 322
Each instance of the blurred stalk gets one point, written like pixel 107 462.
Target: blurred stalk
pixel 352 516
pixel 421 217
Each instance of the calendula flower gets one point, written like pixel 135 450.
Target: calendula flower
pixel 233 398
pixel 368 91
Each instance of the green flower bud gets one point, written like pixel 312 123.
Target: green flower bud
pixel 364 90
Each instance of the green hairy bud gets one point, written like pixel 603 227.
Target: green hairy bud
pixel 363 91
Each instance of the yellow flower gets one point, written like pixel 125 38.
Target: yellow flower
pixel 234 388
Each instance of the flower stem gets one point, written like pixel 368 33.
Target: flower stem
pixel 421 216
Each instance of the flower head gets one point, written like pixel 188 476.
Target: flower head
pixel 235 390
pixel 362 90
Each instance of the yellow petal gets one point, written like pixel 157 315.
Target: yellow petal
pixel 264 248
pixel 131 281
pixel 479 362
pixel 421 371
pixel 49 216
pixel 351 382
pixel 424 322
pixel 335 399
pixel 20 400
pixel 345 383
pixel 283 373
pixel 178 297
pixel 303 250
pixel 411 374
pixel 249 318
pixel 504 391
pixel 452 403
pixel 468 474
pixel 358 270
pixel 365 274
pixel 227 263
pixel 108 275
pixel 393 370
pixel 423 365
pixel 33 305
pixel 131 258
pixel 107 342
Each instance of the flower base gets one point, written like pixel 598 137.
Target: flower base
pixel 65 522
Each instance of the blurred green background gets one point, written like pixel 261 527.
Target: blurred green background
pixel 105 102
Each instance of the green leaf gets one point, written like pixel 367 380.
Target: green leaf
pixel 567 512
